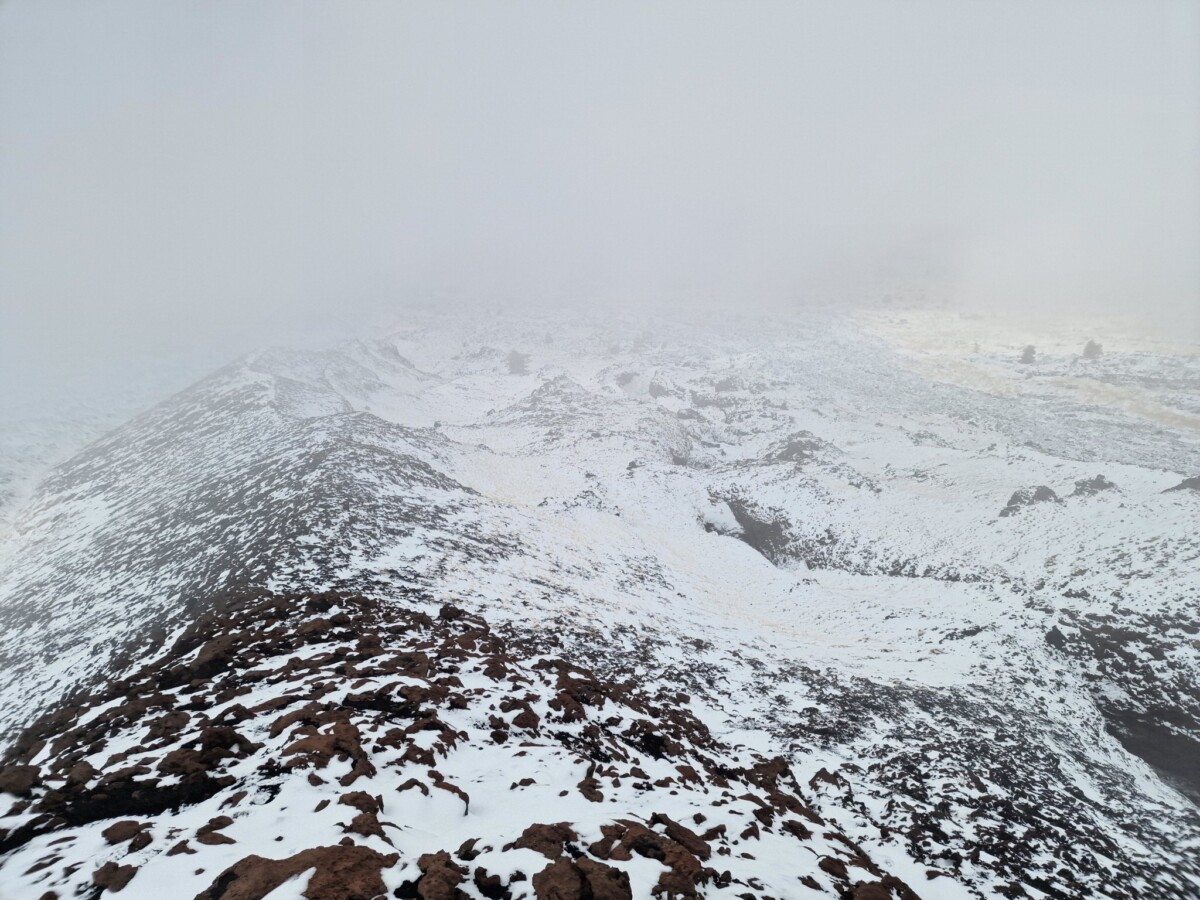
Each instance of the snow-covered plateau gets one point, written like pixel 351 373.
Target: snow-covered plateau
pixel 568 606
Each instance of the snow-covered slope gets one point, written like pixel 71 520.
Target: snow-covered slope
pixel 906 594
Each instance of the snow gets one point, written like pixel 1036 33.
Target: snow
pixel 576 500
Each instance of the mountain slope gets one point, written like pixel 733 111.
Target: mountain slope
pixel 839 561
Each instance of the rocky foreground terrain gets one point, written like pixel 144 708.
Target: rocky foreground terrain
pixel 561 608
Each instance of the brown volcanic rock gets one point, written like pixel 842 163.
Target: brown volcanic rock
pixel 583 879
pixel 547 840
pixel 684 871
pixel 215 656
pixel 19 779
pixel 120 832
pixel 342 873
pixel 681 834
pixel 561 880
pixel 870 890
pixel 362 801
pixel 887 888
pixel 113 877
pixel 440 878
pixel 211 833
pixel 343 741
pixel 348 705
pixel 604 882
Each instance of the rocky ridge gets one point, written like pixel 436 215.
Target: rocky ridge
pixel 427 756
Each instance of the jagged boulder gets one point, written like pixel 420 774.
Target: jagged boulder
pixel 765 531
pixel 1188 484
pixel 18 779
pixel 113 877
pixel 342 873
pixel 801 447
pixel 1029 497
pixel 1088 487
pixel 582 879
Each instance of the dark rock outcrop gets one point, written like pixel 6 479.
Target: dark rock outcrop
pixel 1028 497
pixel 1088 487
pixel 342 873
pixel 1188 484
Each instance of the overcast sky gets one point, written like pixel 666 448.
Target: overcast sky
pixel 184 175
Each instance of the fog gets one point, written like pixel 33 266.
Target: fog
pixel 188 180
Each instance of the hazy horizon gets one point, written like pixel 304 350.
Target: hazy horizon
pixel 186 179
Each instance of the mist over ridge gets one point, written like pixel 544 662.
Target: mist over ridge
pixel 204 180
